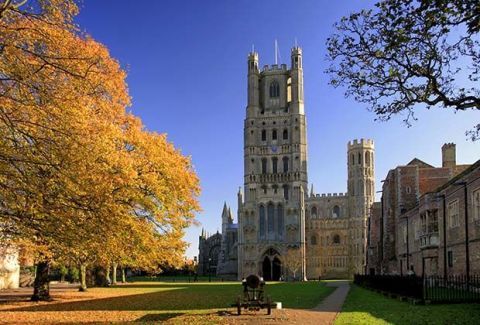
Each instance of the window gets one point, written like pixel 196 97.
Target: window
pixel 274 134
pixel 285 164
pixel 264 165
pixel 450 258
pixel 280 219
pixel 367 158
pixel 359 158
pixel 274 89
pixel 289 90
pixel 476 204
pixel 313 214
pixel 313 240
pixel 353 159
pixel 336 211
pixel 408 189
pixel 285 134
pixel 453 218
pixel 264 135
pixel 270 217
pixel 336 239
pixel 262 220
pixel 274 165
pixel 432 225
pixel 285 192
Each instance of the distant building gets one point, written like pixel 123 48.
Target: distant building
pixel 9 268
pixel 276 213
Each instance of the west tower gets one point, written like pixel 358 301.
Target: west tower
pixel 271 210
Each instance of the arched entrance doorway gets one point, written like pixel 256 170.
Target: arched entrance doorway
pixel 276 269
pixel 271 265
pixel 267 269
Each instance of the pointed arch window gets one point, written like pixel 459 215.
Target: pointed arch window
pixel 336 212
pixel 274 165
pixel 274 89
pixel 285 164
pixel 274 134
pixel 353 159
pixel 285 134
pixel 336 239
pixel 280 222
pixel 264 165
pixel 313 240
pixel 359 158
pixel 313 213
pixel 264 135
pixel 270 216
pixel 367 158
pixel 262 220
pixel 285 192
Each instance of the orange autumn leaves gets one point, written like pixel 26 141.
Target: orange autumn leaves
pixel 80 177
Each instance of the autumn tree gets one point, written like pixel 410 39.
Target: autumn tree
pixel 409 53
pixel 81 178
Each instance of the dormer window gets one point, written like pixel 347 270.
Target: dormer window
pixel 274 89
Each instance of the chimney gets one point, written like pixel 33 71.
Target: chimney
pixel 449 155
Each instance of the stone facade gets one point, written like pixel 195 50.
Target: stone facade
pixel 432 235
pixel 209 250
pixel 279 223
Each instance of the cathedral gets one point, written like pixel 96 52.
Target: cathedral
pixel 283 230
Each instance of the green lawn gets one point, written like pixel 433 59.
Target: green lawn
pixel 363 306
pixel 168 296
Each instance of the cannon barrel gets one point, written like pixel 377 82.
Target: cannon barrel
pixel 253 281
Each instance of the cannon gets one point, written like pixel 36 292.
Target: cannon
pixel 253 297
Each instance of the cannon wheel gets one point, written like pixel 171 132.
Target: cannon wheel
pixel 239 306
pixel 269 305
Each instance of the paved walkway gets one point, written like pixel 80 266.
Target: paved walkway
pixel 332 305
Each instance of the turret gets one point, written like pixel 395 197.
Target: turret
pixel 253 101
pixel 296 81
pixel 361 176
pixel 225 217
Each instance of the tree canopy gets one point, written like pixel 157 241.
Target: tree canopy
pixel 406 53
pixel 81 180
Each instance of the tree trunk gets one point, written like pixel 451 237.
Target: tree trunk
pixel 124 279
pixel 109 280
pixel 83 278
pixel 114 273
pixel 41 285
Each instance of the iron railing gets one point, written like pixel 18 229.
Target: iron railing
pixel 435 289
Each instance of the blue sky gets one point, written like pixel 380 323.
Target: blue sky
pixel 186 64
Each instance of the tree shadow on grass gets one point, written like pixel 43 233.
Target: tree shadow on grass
pixel 175 298
pixel 157 317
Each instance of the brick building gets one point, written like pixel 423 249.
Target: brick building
pixel 374 237
pixel 401 192
pixel 432 235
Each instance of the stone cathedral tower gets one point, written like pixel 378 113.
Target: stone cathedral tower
pixel 282 230
pixel 271 214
